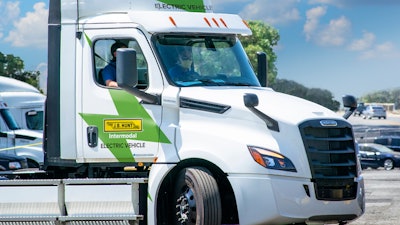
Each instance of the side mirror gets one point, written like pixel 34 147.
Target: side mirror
pixel 127 75
pixel 350 102
pixel 126 67
pixel 262 68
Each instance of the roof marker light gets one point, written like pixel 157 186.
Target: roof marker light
pixel 245 23
pixel 208 22
pixel 223 22
pixel 215 21
pixel 172 21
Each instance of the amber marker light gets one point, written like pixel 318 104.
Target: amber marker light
pixel 215 21
pixel 208 22
pixel 245 23
pixel 172 21
pixel 223 22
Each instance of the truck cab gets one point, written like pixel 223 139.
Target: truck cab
pixel 212 142
pixel 25 102
pixel 17 141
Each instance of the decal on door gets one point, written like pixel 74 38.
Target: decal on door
pixel 132 123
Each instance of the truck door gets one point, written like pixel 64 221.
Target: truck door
pixel 116 126
pixel 7 136
pixel 3 135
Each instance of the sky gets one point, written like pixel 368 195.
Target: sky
pixel 344 46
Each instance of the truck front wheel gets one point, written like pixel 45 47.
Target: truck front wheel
pixel 197 198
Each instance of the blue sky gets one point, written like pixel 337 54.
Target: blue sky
pixel 344 46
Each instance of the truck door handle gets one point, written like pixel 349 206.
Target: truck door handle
pixel 92 136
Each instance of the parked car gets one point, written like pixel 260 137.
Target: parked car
pixel 372 111
pixel 12 162
pixel 359 110
pixel 375 155
pixel 392 142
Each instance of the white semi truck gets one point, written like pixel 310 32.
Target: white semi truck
pixel 15 140
pixel 212 147
pixel 24 101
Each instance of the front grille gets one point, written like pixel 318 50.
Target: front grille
pixel 332 157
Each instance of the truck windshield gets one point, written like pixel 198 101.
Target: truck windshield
pixel 204 60
pixel 9 119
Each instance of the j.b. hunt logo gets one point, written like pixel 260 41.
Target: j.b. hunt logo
pixel 123 125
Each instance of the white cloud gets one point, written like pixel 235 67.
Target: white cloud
pixel 30 30
pixel 354 3
pixel 385 50
pixel 227 1
pixel 335 33
pixel 272 11
pixel 332 34
pixel 369 50
pixel 9 11
pixel 312 20
pixel 364 43
pixel 337 3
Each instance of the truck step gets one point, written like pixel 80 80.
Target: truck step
pixel 70 201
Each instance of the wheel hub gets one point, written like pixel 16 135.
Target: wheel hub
pixel 186 208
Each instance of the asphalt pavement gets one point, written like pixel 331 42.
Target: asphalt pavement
pixel 382 188
pixel 382 194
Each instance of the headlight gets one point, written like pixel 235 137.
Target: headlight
pixel 14 165
pixel 271 160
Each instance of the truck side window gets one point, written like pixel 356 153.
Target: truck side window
pixel 103 57
pixel 34 120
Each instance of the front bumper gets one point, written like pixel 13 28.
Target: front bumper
pixel 263 199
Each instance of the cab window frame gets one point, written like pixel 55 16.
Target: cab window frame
pixel 101 52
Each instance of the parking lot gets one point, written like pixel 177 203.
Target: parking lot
pixel 382 191
pixel 382 188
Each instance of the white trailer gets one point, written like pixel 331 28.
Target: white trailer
pixel 212 147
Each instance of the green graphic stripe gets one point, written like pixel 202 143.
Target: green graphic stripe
pixel 127 107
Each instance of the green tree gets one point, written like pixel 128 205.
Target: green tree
pixel 289 87
pixel 30 77
pixel 264 38
pixel 322 97
pixel 13 66
pixel 316 95
pixel 383 96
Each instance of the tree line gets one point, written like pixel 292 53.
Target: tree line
pixel 13 66
pixel 383 96
pixel 264 38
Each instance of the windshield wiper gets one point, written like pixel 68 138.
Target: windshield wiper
pixel 213 82
pixel 202 82
pixel 238 84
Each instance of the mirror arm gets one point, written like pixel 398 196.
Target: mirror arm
pixel 148 98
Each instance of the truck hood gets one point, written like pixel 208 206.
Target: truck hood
pixel 282 107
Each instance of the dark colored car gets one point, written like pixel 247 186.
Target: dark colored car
pixel 376 155
pixel 12 162
pixel 392 142
pixel 359 110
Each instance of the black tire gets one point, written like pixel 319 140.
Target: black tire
pixel 197 198
pixel 388 164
